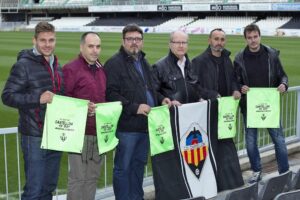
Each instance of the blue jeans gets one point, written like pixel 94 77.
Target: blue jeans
pixel 129 163
pixel 279 144
pixel 41 169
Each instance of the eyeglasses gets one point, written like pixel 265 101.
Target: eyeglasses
pixel 131 39
pixel 179 43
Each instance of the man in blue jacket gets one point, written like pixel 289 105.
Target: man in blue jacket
pixel 32 83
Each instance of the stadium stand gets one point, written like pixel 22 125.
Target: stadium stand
pixel 227 23
pixel 272 23
pixel 80 3
pixel 66 22
pixel 174 24
pixel 126 20
pixel 9 3
pixel 273 186
pixel 294 23
pixel 295 184
pixel 163 20
pixel 9 6
pixel 292 195
pixel 245 192
pixel 35 20
pixel 196 198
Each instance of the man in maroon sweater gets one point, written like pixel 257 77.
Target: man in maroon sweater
pixel 85 79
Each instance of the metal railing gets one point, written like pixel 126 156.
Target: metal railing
pixel 290 118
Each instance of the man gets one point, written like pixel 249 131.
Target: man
pixel 259 66
pixel 172 73
pixel 32 83
pixel 85 79
pixel 129 80
pixel 214 70
pixel 173 79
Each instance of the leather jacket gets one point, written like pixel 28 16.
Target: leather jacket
pixel 169 80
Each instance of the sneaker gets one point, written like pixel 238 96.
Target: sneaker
pixel 256 177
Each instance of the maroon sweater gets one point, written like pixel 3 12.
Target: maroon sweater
pixel 83 82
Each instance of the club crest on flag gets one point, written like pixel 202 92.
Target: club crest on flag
pixel 194 148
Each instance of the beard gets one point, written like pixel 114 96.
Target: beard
pixel 216 48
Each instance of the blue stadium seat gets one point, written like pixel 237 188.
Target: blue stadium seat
pixel 196 198
pixel 273 186
pixel 295 185
pixel 248 192
pixel 292 195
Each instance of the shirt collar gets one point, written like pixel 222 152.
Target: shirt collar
pixel 37 53
pixel 97 64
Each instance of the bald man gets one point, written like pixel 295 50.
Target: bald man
pixel 172 73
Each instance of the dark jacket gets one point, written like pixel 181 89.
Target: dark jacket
pixel 125 84
pixel 276 72
pixel 84 82
pixel 207 73
pixel 170 82
pixel 30 76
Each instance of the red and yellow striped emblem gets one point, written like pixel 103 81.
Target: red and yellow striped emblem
pixel 195 156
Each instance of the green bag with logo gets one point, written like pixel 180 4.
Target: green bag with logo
pixel 64 126
pixel 107 117
pixel 263 108
pixel 227 111
pixel 160 132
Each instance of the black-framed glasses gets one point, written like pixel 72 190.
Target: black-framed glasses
pixel 179 43
pixel 131 39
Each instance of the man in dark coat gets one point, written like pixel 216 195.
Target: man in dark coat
pixel 129 80
pixel 173 73
pixel 258 65
pixel 214 70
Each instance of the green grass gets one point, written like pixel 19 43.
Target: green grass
pixel 156 46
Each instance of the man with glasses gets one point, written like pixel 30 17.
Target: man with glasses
pixel 129 80
pixel 173 79
pixel 172 73
pixel 214 70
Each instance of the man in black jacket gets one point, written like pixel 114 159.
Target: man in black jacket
pixel 32 82
pixel 173 79
pixel 214 70
pixel 259 66
pixel 129 80
pixel 173 74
